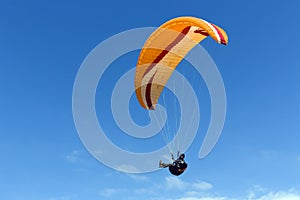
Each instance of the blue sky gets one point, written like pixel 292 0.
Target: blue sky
pixel 42 46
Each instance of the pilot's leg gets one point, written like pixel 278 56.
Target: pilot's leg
pixel 163 165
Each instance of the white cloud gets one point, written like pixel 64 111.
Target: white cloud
pixel 202 185
pixel 281 195
pixel 257 193
pixel 196 195
pixel 269 154
pixel 144 191
pixel 139 177
pixel 174 183
pixel 177 189
pixel 63 197
pixel 203 198
pixel 108 192
pixel 73 157
pixel 298 158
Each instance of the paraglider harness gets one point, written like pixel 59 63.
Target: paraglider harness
pixel 178 166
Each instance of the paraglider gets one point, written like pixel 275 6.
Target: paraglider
pixel 177 167
pixel 159 57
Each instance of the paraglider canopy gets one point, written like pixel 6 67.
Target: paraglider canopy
pixel 164 50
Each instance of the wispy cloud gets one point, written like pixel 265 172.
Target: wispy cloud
pixel 270 154
pixel 63 197
pixel 298 158
pixel 203 198
pixel 255 191
pixel 201 190
pixel 172 183
pixel 202 185
pixel 258 193
pixel 108 192
pixel 280 195
pixel 139 177
pixel 178 184
pixel 145 191
pixel 73 157
pixel 177 189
